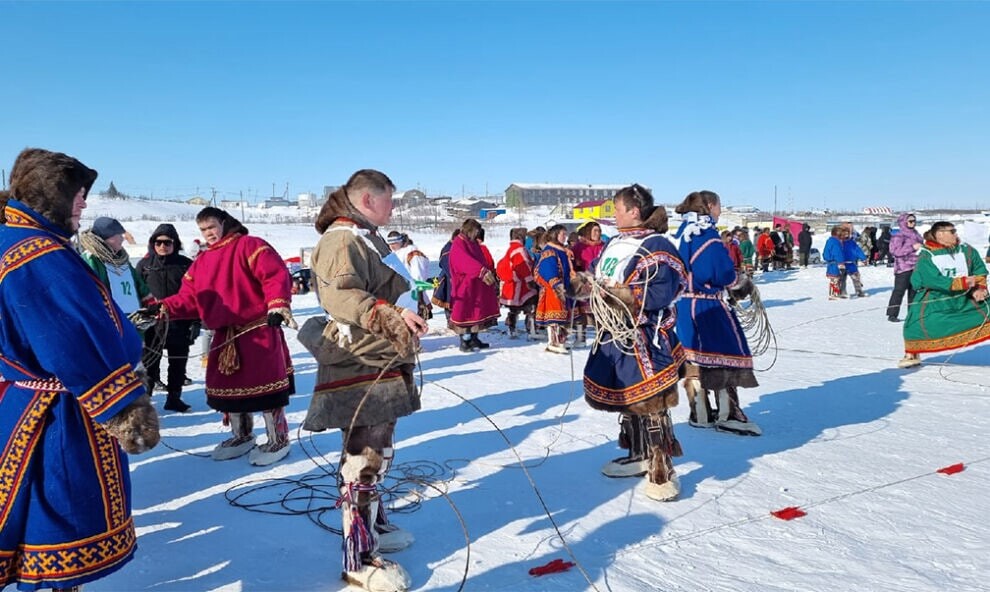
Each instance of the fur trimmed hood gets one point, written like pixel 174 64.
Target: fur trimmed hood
pixel 48 182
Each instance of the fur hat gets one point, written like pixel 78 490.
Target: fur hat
pixel 48 182
pixel 104 227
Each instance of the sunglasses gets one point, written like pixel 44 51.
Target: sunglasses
pixel 952 230
pixel 167 242
pixel 911 221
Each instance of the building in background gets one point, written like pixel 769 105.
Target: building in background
pixel 533 194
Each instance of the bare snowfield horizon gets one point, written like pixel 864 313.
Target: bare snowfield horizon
pixel 848 438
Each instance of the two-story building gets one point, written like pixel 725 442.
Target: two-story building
pixel 595 209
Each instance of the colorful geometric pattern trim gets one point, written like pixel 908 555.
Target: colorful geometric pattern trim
pixel 241 392
pixel 75 559
pixel 14 458
pixel 966 338
pixel 109 467
pixel 636 393
pixel 26 251
pixel 109 391
pixel 718 360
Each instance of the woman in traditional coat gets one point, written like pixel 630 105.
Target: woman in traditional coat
pixel 366 350
pixel 553 274
pixel 473 288
pixel 519 289
pixel 71 395
pixel 637 375
pixel 714 342
pixel 441 292
pixel 586 250
pixel 950 308
pixel 240 287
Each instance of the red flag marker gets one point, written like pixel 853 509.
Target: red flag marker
pixel 557 565
pixel 789 513
pixel 951 469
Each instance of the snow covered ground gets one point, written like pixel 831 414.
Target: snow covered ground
pixel 505 441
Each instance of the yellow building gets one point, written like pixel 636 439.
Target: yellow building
pixel 594 209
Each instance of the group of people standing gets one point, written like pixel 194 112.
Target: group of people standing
pixel 73 399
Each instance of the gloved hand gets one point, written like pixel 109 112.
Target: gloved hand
pixel 136 426
pixel 154 309
pixel 277 316
pixel 533 285
pixel 842 267
pixel 624 294
pixel 385 320
pixel 489 278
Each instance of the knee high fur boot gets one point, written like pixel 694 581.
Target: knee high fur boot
pixel 363 564
pixel 701 415
pixel 731 417
pixel 277 446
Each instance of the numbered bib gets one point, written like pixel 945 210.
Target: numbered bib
pixel 122 288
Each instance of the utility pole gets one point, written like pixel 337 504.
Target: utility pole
pixel 213 200
pixel 242 204
pixel 774 200
pixel 4 171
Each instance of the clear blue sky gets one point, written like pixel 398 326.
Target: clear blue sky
pixel 839 105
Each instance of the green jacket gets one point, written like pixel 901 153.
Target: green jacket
pixel 942 315
pixel 748 251
pixel 100 268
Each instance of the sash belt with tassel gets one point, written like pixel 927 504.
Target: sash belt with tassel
pixel 228 360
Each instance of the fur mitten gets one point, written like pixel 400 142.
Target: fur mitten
pixel 742 289
pixel 581 285
pixel 277 316
pixel 136 426
pixel 623 294
pixel 385 320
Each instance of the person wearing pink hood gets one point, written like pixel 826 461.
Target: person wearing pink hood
pixel 473 288
pixel 904 247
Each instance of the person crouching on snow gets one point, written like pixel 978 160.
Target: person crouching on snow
pixel 950 307
pixel 240 287
pixel 718 355
pixel 636 375
pixel 366 351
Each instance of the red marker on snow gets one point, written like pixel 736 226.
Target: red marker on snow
pixel 789 513
pixel 557 565
pixel 951 469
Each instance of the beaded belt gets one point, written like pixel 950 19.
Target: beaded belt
pixel 702 296
pixel 45 384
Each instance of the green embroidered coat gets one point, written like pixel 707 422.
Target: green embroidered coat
pixel 941 318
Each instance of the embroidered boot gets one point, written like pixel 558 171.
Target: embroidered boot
pixel 242 441
pixel 277 446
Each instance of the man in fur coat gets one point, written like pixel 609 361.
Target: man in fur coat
pixel 71 395
pixel 366 351
pixel 240 287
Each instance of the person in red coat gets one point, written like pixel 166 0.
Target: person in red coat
pixel 473 292
pixel 519 289
pixel 735 253
pixel 765 249
pixel 240 287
